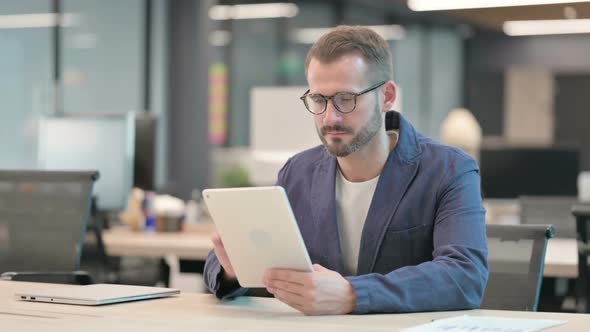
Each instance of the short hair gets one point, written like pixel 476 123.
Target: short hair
pixel 345 40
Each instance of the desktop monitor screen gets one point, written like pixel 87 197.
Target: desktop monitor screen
pixel 509 172
pixel 104 143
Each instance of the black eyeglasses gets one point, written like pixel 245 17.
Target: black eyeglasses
pixel 344 102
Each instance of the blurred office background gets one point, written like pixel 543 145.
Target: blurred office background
pixel 175 96
pixel 203 70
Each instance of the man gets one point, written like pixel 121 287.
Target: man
pixel 393 223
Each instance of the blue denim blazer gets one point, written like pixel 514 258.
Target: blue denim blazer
pixel 423 246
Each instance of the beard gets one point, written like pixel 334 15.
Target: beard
pixel 337 148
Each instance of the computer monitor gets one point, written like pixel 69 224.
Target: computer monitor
pixel 145 155
pixel 509 172
pixel 101 142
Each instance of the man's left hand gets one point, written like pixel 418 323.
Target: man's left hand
pixel 321 292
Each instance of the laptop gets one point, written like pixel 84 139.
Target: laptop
pixel 96 294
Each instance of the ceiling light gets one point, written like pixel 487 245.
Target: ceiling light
pixel 311 35
pixel 428 5
pixel 252 11
pixel 44 20
pixel 546 27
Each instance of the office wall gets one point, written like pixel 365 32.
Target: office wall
pixel 103 56
pixel 101 68
pixel 26 84
pixel 528 105
pixel 489 57
pixel 254 57
pixel 159 86
pixel 428 66
pixel 572 113
pixel 484 97
pixel 445 53
pixel 189 59
pixel 318 14
pixel 262 52
pixel 559 53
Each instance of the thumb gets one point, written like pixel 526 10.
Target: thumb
pixel 319 268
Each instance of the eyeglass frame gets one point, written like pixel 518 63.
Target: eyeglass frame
pixel 327 98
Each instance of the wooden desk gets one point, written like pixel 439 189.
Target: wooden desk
pixel 194 243
pixel 561 259
pixel 201 312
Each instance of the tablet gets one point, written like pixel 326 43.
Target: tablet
pixel 97 294
pixel 258 230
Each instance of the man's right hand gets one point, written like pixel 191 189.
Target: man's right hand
pixel 222 257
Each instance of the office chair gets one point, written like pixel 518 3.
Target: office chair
pixel 556 293
pixel 550 210
pixel 94 259
pixel 582 214
pixel 43 218
pixel 516 257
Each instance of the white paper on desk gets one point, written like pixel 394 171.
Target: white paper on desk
pixel 487 324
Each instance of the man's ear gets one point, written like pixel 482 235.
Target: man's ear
pixel 390 93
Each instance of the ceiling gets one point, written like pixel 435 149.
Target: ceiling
pixel 493 18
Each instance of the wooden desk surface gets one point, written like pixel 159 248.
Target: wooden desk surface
pixel 202 312
pixel 561 259
pixel 194 243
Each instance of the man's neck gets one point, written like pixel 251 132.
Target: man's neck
pixel 368 162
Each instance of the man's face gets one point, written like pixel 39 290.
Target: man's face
pixel 343 134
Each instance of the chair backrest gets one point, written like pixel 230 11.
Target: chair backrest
pixel 43 218
pixel 516 257
pixel 550 210
pixel 582 214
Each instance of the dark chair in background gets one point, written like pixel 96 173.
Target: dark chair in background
pixel 94 259
pixel 582 214
pixel 516 260
pixel 557 294
pixel 43 219
pixel 550 210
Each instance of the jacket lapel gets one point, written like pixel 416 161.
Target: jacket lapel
pixel 323 202
pixel 397 175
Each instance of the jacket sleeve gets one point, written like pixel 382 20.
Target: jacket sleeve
pixel 216 284
pixel 456 277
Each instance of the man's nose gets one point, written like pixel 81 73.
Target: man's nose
pixel 332 115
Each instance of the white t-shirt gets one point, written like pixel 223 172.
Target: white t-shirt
pixel 352 205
